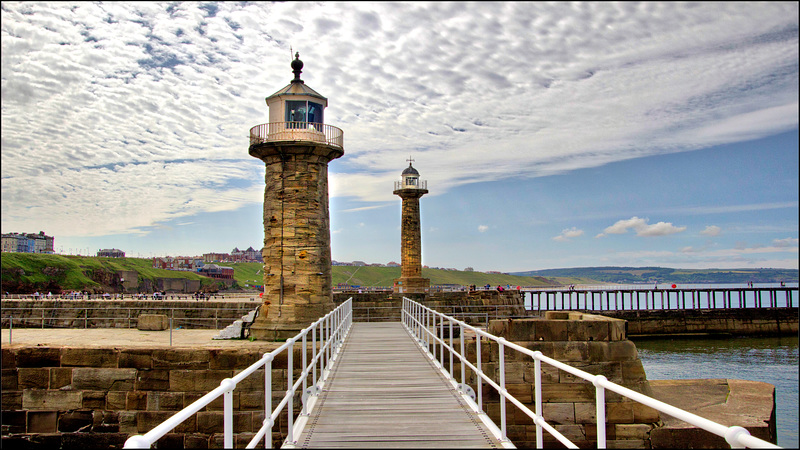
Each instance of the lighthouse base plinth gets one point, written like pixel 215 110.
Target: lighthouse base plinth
pixel 411 285
pixel 281 322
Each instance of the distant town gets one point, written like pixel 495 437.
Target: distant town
pixel 42 243
pixel 213 265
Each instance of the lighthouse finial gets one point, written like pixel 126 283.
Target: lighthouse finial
pixel 297 68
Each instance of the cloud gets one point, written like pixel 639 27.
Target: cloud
pixel 483 228
pixel 787 242
pixel 365 208
pixel 642 228
pixel 711 230
pixel 727 209
pixel 90 90
pixel 568 234
pixel 689 257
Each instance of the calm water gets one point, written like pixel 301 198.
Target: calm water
pixel 771 360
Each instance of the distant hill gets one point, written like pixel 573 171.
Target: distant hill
pixel 628 275
pixel 30 272
pixel 370 276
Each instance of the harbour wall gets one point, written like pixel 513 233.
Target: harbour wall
pixel 477 307
pixel 70 397
pixel 739 322
pixel 190 314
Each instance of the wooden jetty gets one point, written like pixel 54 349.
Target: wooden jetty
pixel 385 392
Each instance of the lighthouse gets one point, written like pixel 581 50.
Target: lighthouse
pixel 296 146
pixel 410 188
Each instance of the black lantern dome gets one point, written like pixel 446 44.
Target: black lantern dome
pixel 410 171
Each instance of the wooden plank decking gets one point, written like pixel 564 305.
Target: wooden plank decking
pixel 384 392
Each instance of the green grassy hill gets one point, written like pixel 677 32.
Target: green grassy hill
pixel 28 272
pixel 368 276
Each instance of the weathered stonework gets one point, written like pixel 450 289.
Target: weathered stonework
pixel 297 255
pixel 211 314
pixel 411 280
pixel 594 344
pixel 90 404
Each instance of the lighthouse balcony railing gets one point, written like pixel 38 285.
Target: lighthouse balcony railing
pixel 421 184
pixel 297 131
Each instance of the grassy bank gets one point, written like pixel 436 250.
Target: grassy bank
pixel 26 271
pixel 23 272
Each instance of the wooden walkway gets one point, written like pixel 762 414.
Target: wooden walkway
pixel 385 392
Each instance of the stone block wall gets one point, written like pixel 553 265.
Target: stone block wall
pixel 746 322
pixel 590 343
pixel 382 306
pixel 190 314
pixel 62 397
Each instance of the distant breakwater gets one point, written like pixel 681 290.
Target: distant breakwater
pixel 738 322
pixel 613 298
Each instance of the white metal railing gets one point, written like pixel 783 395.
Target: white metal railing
pixel 297 131
pixel 681 298
pixel 421 320
pixel 327 335
pixel 421 184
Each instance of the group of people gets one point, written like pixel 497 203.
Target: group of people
pixel 86 295
pixel 74 295
pixel 488 287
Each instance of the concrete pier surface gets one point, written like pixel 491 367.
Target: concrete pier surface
pixel 124 338
pixel 748 404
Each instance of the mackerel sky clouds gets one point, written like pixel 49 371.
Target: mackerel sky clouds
pixel 550 134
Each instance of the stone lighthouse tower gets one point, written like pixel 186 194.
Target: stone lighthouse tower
pixel 410 188
pixel 296 147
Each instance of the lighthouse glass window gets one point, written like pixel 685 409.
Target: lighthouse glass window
pixel 300 114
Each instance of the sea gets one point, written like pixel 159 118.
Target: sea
pixel 772 360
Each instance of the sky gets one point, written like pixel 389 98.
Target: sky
pixel 551 135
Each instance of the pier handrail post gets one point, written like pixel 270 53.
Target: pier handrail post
pixel 305 366
pixel 314 356
pixel 463 366
pixel 441 342
pixel 227 414
pixel 600 404
pixel 479 380
pixel 450 347
pixel 502 366
pixel 268 400
pixel 537 374
pixel 289 393
pixel 427 328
